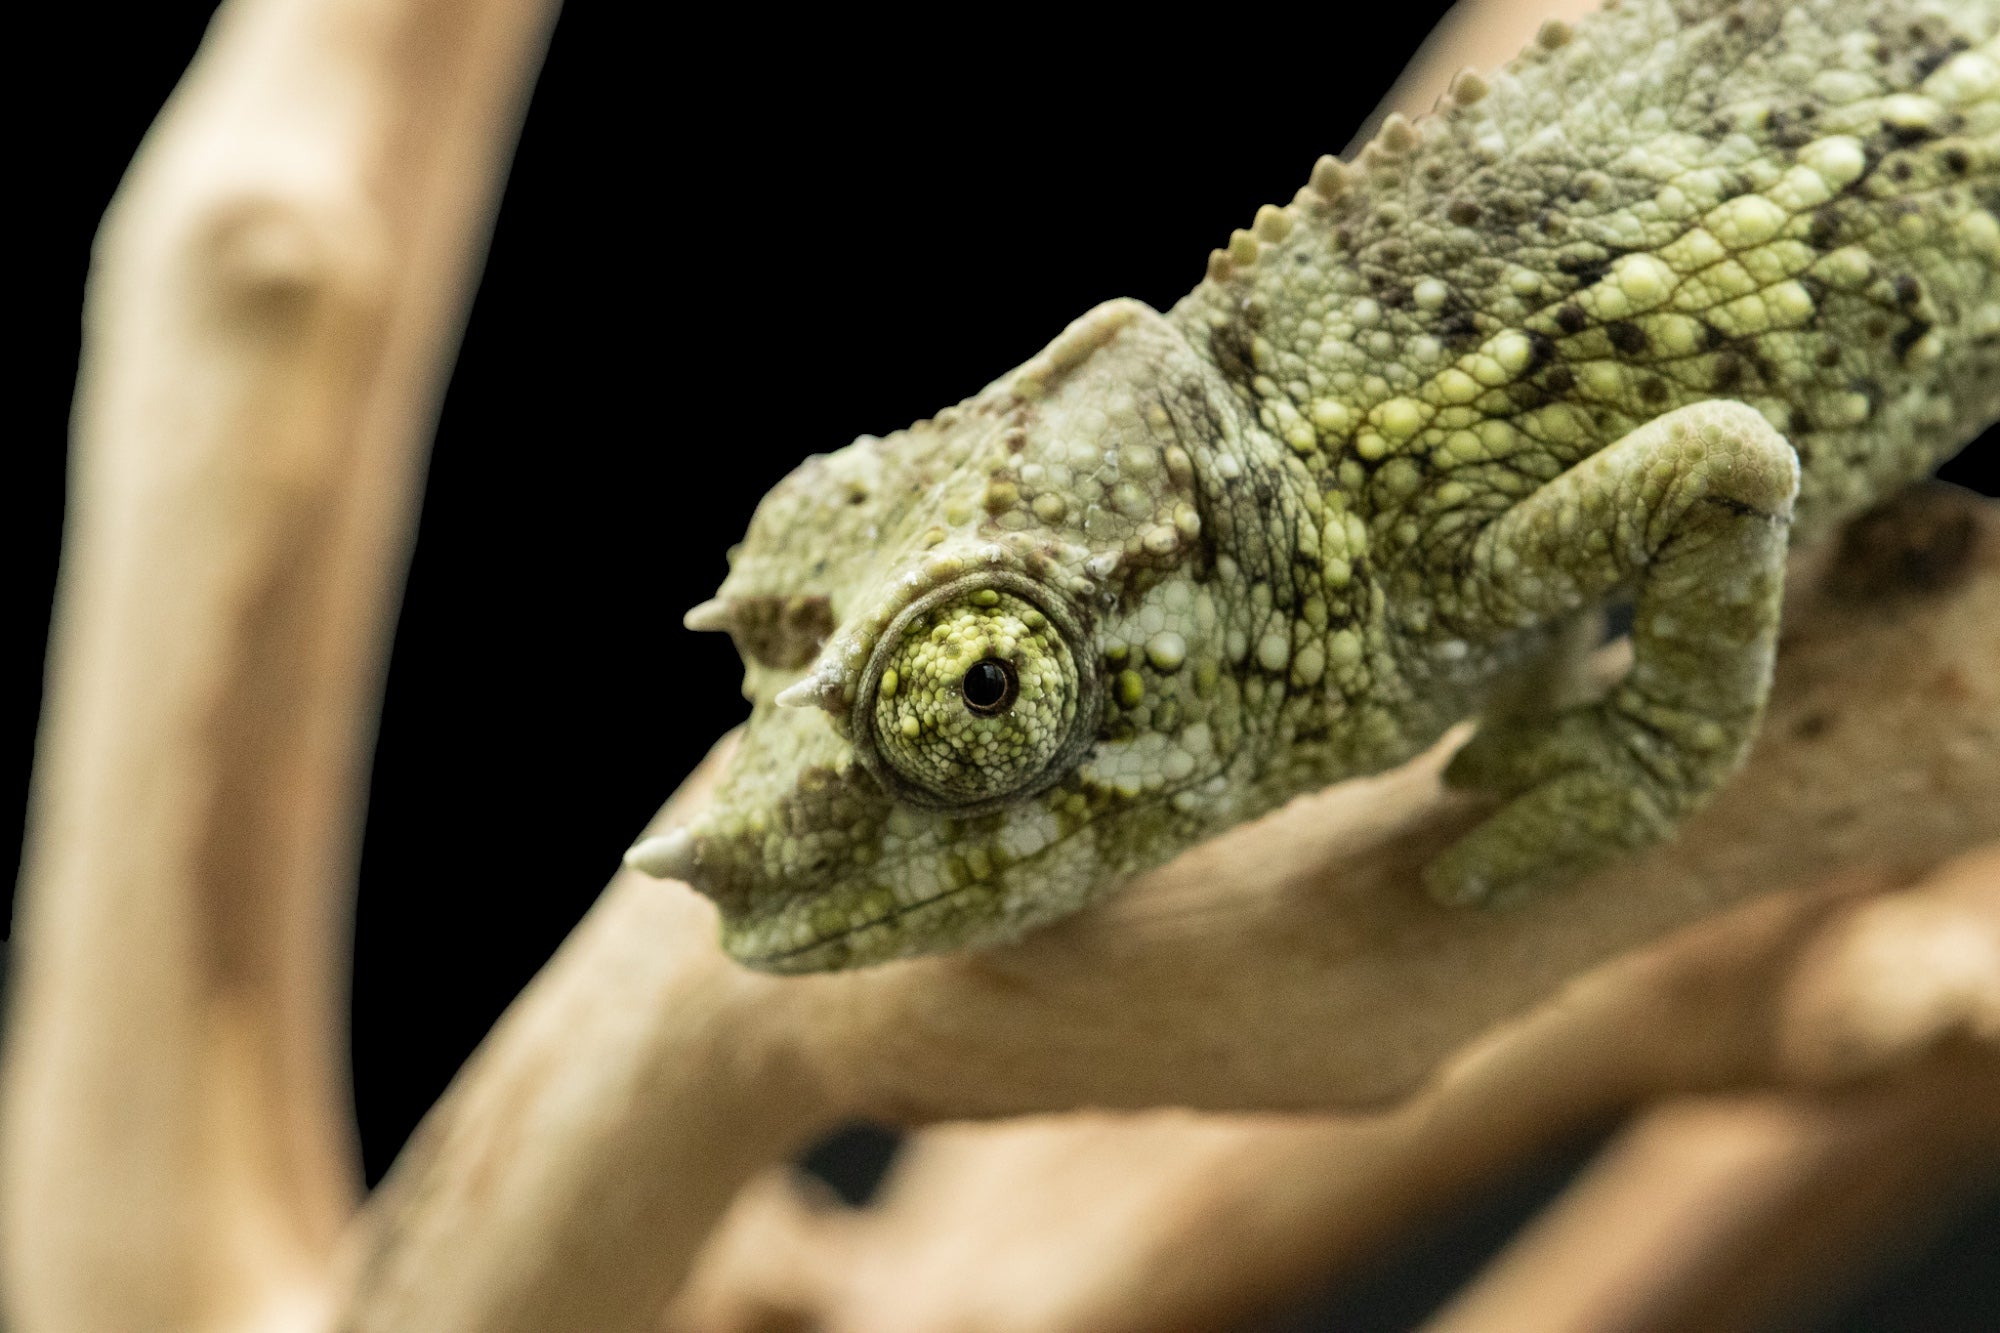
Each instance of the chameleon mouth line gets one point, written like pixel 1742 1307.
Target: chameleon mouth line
pixel 825 940
pixel 906 909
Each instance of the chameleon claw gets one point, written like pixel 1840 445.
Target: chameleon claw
pixel 671 855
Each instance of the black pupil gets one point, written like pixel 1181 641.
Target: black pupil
pixel 988 686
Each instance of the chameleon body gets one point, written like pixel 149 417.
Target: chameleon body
pixel 1623 319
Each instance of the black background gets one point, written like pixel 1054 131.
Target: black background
pixel 720 250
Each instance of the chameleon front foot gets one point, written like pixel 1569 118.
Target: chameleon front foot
pixel 1578 794
pixel 1691 509
pixel 1508 755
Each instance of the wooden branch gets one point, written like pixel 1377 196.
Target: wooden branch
pixel 277 292
pixel 1476 34
pixel 1742 1212
pixel 1730 1215
pixel 584 1151
pixel 273 307
pixel 1290 964
pixel 1097 1223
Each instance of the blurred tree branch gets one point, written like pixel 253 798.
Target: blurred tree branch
pixel 276 294
pixel 274 302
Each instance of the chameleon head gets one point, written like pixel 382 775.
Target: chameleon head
pixel 938 749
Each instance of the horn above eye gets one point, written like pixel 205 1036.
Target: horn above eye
pixel 708 617
pixel 777 631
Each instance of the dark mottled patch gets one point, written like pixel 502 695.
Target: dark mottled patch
pixel 1560 380
pixel 1728 370
pixel 1812 726
pixel 1711 336
pixel 1791 127
pixel 1900 170
pixel 1907 336
pixel 1230 345
pixel 1828 356
pixel 1930 58
pixel 1907 289
pixel 1541 350
pixel 1628 338
pixel 1956 161
pixel 1527 395
pixel 1463 211
pixel 1824 226
pixel 1653 391
pixel 1458 328
pixel 781 632
pixel 1571 319
pixel 1586 269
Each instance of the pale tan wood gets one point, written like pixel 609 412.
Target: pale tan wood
pixel 1732 1215
pixel 274 302
pixel 1168 1220
pixel 1473 34
pixel 1742 1212
pixel 1292 964
pixel 586 1148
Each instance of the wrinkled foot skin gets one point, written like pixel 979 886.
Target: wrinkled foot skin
pixel 1693 510
pixel 1578 796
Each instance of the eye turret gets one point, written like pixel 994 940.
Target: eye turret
pixel 976 696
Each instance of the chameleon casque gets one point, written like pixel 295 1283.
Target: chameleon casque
pixel 1679 285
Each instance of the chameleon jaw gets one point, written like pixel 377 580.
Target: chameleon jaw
pixel 798 933
pixel 770 940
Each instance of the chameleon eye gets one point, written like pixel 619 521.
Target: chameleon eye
pixel 973 698
pixel 989 687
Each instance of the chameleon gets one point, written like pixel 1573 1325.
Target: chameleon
pixel 1685 283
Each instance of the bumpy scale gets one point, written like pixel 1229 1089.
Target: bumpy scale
pixel 1675 286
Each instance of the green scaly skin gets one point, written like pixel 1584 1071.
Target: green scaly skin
pixel 1621 319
